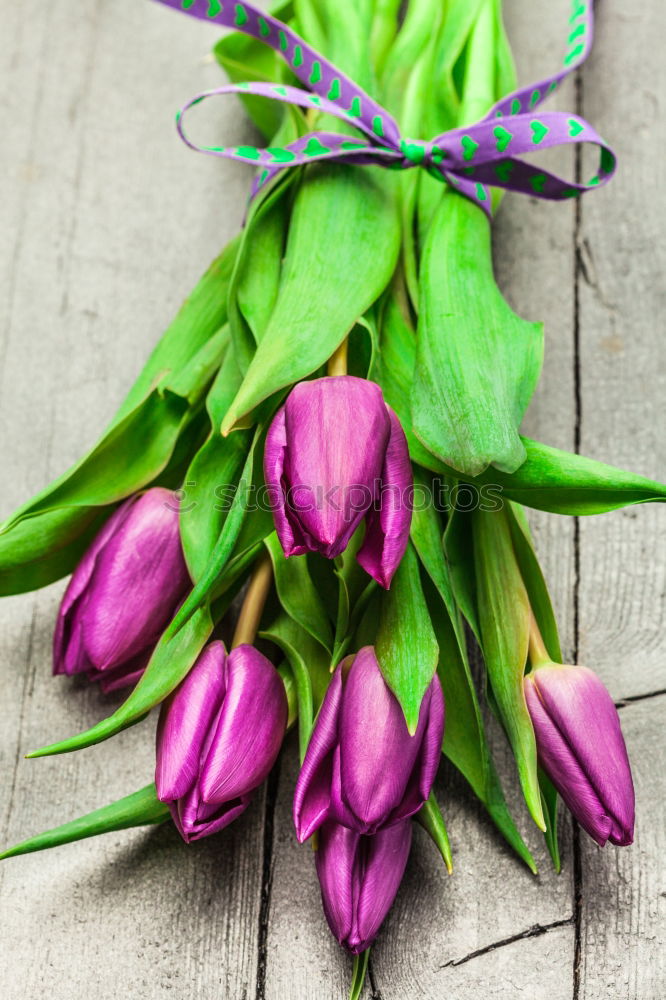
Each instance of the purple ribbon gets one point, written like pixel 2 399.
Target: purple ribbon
pixel 470 158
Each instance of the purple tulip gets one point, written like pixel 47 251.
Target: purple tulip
pixel 123 593
pixel 218 737
pixel 581 749
pixel 336 455
pixel 359 878
pixel 362 768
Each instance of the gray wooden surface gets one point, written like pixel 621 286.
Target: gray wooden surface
pixel 106 221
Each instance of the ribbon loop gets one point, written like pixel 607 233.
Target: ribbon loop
pixel 470 159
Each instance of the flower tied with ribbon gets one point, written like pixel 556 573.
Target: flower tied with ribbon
pixel 471 159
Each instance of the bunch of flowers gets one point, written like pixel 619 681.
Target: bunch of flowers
pixel 325 446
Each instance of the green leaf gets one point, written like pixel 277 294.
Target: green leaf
pixel 311 317
pixel 549 802
pixel 36 551
pixel 396 372
pixel 477 363
pixel 431 819
pixel 465 742
pixel 406 646
pixel 207 585
pixel 459 550
pixel 346 35
pixel 426 535
pixel 211 480
pixel 256 280
pixel 364 630
pixel 142 808
pixel 287 676
pixel 297 593
pixel 364 346
pixel 563 483
pixel 359 974
pixel 533 579
pixel 504 613
pixel 309 663
pixel 173 657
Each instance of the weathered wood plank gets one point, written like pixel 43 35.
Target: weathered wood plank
pixel 513 970
pixel 95 267
pixel 107 221
pixel 623 556
pixel 623 953
pixel 622 303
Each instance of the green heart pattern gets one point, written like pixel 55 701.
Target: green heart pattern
pixel 476 149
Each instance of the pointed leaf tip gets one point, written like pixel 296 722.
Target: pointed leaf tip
pixel 431 819
pixel 141 808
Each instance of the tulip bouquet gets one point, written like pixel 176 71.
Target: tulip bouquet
pixel 324 447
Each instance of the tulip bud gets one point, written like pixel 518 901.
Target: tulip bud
pixel 336 455
pixel 123 593
pixel 218 736
pixel 359 878
pixel 362 768
pixel 581 749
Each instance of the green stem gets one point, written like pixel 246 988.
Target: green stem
pixel 537 648
pixel 405 53
pixel 337 363
pixel 253 604
pixel 384 30
pixel 479 82
pixel 359 974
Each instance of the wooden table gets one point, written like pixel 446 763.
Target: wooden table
pixel 106 221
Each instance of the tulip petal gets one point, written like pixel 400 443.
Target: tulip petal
pixel 248 734
pixel 581 747
pixel 69 655
pixel 138 579
pixel 312 796
pixel 335 860
pixel 194 820
pixel 359 877
pixel 289 534
pixel 336 431
pixel 126 675
pixel 389 520
pixel 386 858
pixel 185 720
pixel 427 764
pixel 377 754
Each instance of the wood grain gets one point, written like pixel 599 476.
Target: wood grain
pixel 106 223
pixel 623 358
pixel 624 891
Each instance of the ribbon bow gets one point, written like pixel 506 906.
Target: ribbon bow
pixel 470 158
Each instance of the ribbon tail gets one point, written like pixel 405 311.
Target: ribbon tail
pixel 579 45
